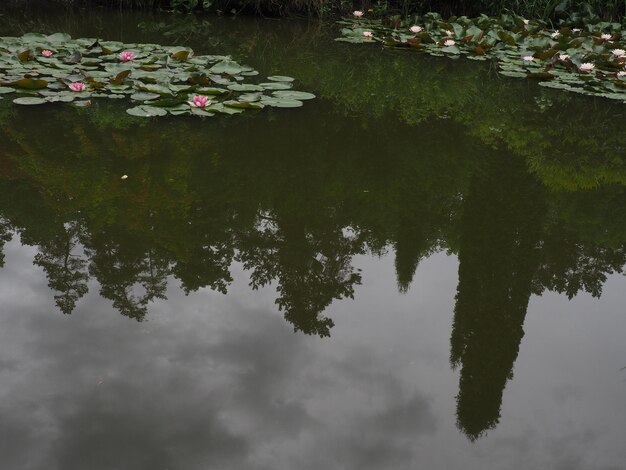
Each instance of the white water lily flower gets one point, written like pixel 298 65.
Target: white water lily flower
pixel 619 52
pixel 449 42
pixel 555 35
pixel 449 33
pixel 587 67
pixel 124 177
pixel 526 21
pixel 415 29
pixel 621 73
pixel 367 34
pixel 576 30
pixel 606 37
pixel 563 57
pixel 528 58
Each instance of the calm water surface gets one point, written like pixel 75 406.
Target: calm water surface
pixel 419 269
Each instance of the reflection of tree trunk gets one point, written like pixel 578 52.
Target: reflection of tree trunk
pixel 498 255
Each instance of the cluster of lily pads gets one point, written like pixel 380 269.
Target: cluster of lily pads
pixel 160 80
pixel 589 60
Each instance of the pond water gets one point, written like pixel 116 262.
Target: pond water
pixel 419 269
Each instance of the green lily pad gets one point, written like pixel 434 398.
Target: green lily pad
pixel 245 87
pixel 276 85
pixel 144 96
pixel 280 78
pixel 163 79
pixel 281 103
pixel 294 95
pixel 30 100
pixel 146 111
pixel 243 104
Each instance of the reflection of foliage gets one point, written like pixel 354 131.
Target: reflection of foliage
pixel 312 269
pixel 65 270
pixel 122 270
pixel 499 252
pixel 5 236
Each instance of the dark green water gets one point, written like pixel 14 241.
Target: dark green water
pixel 419 269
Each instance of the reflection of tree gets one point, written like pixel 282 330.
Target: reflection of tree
pixel 312 269
pixel 5 236
pixel 498 254
pixel 130 275
pixel 66 271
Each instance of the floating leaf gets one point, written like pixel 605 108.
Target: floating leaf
pixel 24 56
pixel 59 38
pixel 29 100
pixel 146 111
pixel 506 37
pixel 245 87
pixel 280 78
pixel 243 104
pixel 276 85
pixel 201 112
pixel 144 96
pixel 120 77
pixel 4 90
pixel 182 54
pixel 294 95
pixel 228 67
pixel 281 103
pixel 31 83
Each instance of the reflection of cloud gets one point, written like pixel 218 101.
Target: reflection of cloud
pixel 192 389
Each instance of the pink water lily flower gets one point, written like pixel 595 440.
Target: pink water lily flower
pixel 606 37
pixel 449 42
pixel 619 52
pixel 587 67
pixel 46 53
pixel 415 29
pixel 127 56
pixel 200 101
pixel 357 13
pixel 368 34
pixel 77 86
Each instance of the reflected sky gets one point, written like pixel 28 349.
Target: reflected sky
pixel 214 381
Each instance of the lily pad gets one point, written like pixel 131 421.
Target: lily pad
pixel 280 78
pixel 294 95
pixel 146 111
pixel 31 83
pixel 144 96
pixel 276 85
pixel 30 100
pixel 281 103
pixel 159 79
